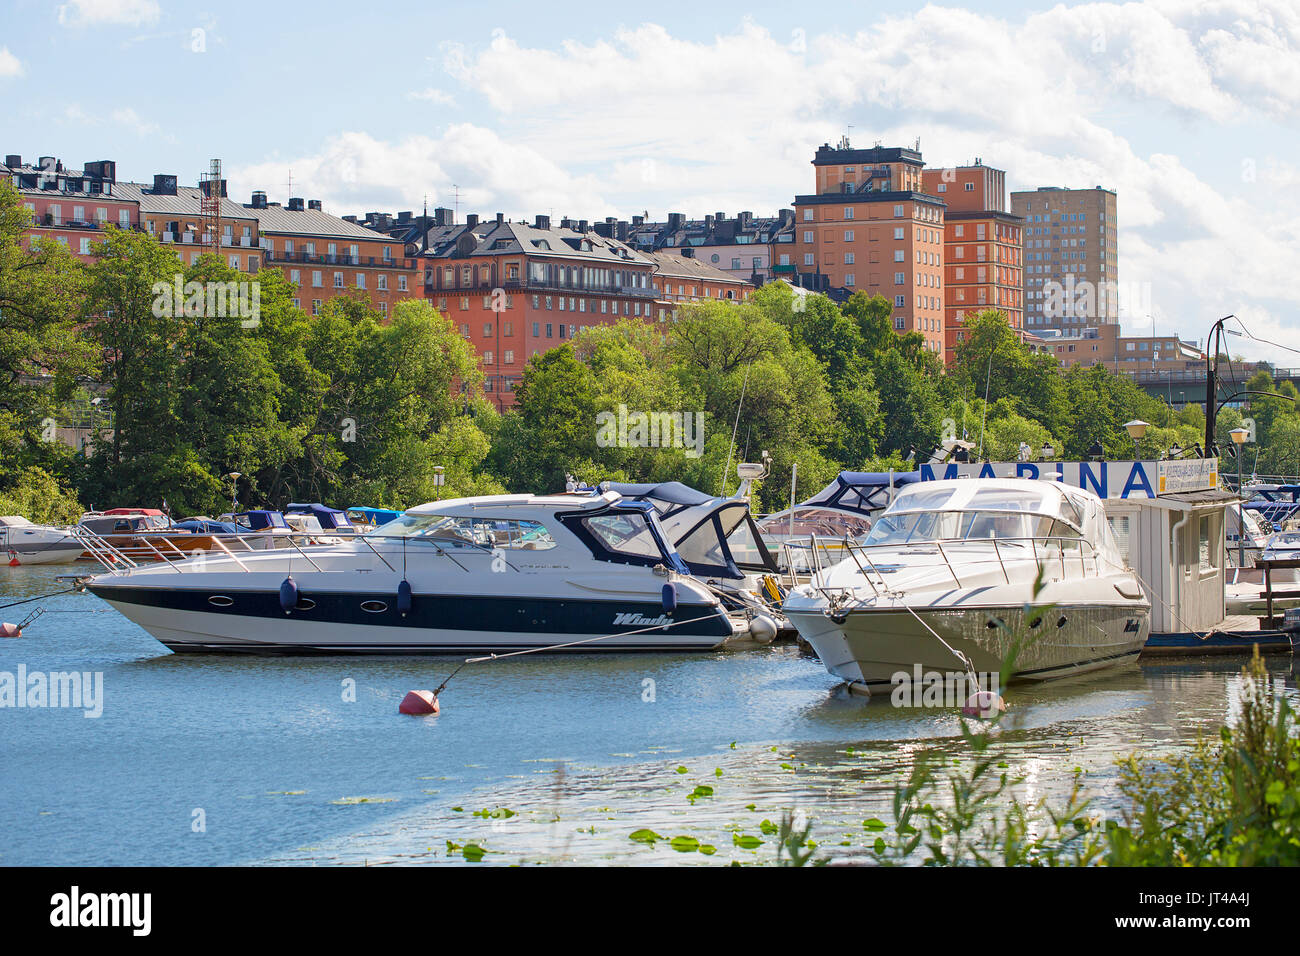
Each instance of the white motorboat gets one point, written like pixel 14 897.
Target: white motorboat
pixel 946 581
pixel 488 574
pixel 28 543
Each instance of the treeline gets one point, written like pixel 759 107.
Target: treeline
pixel 349 407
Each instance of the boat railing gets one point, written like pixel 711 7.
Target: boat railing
pixel 110 558
pixel 820 555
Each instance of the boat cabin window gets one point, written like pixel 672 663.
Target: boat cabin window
pixel 923 526
pixel 624 533
pixel 507 533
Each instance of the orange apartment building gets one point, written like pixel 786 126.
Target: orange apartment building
pixel 325 256
pixel 172 214
pixel 983 248
pixel 68 206
pixel 872 226
pixel 679 276
pixel 515 289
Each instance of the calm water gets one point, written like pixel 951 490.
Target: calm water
pixel 284 769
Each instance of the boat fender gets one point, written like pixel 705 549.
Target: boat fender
pixel 404 596
pixel 670 597
pixel 763 629
pixel 419 703
pixel 985 704
pixel 10 630
pixel 288 594
pixel 13 559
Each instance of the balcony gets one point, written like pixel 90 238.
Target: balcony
pixel 540 286
pixel 335 259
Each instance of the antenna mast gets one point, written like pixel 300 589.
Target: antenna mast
pixel 213 189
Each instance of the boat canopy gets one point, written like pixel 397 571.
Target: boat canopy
pixel 971 509
pixel 714 536
pixel 862 492
pixel 375 516
pixel 262 520
pixel 13 521
pixel 330 518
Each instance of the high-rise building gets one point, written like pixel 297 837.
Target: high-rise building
pixel 1071 258
pixel 983 255
pixel 871 226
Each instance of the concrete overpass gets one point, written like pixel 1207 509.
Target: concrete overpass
pixel 1180 387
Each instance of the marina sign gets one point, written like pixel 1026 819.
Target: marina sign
pixel 1106 479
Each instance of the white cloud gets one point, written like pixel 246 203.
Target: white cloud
pixel 83 13
pixel 643 119
pixel 10 65
pixel 131 120
pixel 432 95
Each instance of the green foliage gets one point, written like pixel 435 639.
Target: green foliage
pixel 37 495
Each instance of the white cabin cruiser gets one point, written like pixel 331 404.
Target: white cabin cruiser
pixel 28 543
pixel 488 574
pixel 947 575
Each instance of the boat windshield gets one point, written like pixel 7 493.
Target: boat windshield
pixel 1284 540
pixel 485 532
pixel 915 527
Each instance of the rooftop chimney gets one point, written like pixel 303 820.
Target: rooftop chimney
pixel 295 204
pixel 259 199
pixel 442 216
pixel 542 222
pixel 314 204
pixel 471 220
pixel 13 160
pixel 501 217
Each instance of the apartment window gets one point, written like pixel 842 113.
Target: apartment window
pixel 785 259
pixel 808 235
pixel 849 279
pixel 898 255
pixel 969 187
pixel 898 212
pixel 383 282
pixel 943 187
pixel 808 259
pixel 509 357
pixel 297 303
pixel 464 303
pixel 85 247
pixel 383 309
pixel 487 358
pixel 295 276
pixel 401 283
pixel 338 280
pixel 487 329
pixel 536 329
pixel 124 217
pixel 848 212
pixel 848 258
pixel 361 280
pixel 900 278
pixel 899 302
pixel 388 253
pixel 735 262
pixel 315 306
pixel 234 262
pixel 898 232
pixel 549 330
pixel 316 279
pixel 807 215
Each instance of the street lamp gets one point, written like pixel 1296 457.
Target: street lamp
pixel 1239 436
pixel 234 491
pixel 437 481
pixel 1136 429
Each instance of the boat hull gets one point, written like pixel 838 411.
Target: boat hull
pixel 358 622
pixel 59 552
pixel 872 647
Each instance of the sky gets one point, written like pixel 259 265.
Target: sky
pixel 1188 109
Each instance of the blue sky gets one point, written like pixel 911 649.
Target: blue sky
pixel 1187 109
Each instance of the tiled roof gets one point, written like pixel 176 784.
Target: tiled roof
pixel 494 238
pixel 678 265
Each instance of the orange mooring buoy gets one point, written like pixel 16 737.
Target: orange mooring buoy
pixel 419 703
pixel 985 704
pixel 13 559
pixel 10 630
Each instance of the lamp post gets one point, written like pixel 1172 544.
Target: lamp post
pixel 1239 436
pixel 437 481
pixel 234 491
pixel 1136 429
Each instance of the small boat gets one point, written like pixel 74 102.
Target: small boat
pixel 491 574
pixel 367 519
pixel 141 534
pixel 23 542
pixel 329 521
pixel 945 581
